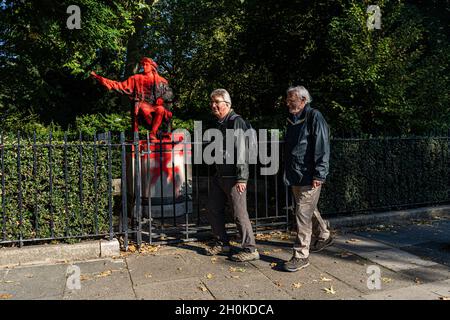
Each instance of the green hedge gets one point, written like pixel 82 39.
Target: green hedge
pixel 80 218
pixel 365 174
pixel 375 173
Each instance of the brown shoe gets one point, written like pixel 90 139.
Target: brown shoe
pixel 245 255
pixel 217 250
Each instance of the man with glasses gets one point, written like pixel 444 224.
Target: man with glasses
pixel 229 184
pixel 307 154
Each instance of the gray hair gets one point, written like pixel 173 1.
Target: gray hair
pixel 301 92
pixel 223 93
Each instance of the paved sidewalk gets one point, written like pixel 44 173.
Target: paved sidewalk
pixel 413 260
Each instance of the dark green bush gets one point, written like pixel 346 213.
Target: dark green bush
pixel 44 211
pixel 365 174
pixel 386 173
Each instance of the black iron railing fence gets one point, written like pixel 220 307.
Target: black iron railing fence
pixel 65 187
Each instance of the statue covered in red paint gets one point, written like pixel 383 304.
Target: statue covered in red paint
pixel 149 91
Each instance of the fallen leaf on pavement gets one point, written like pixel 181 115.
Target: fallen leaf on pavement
pixel 148 275
pixel 297 285
pixel 266 252
pixel 325 279
pixel 417 280
pixel 132 248
pixel 278 284
pixel 213 260
pixel 202 288
pixel 6 296
pixel 273 264
pixel 386 280
pixel 149 248
pixel 261 236
pixel 104 274
pixel 84 277
pixel 209 276
pixel 344 254
pixel 329 290
pixel 352 240
pixel 237 269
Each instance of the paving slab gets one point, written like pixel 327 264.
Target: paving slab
pixel 308 283
pixel 358 244
pixel 3 274
pixel 49 298
pixel 410 235
pixel 352 270
pixel 202 266
pixel 396 259
pixel 441 288
pixel 253 286
pixel 438 252
pixel 408 293
pixel 180 289
pixel 103 279
pixel 34 282
pixel 428 274
pixel 145 269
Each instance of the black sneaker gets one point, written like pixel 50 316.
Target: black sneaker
pixel 319 245
pixel 296 264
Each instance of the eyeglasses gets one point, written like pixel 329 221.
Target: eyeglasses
pixel 217 102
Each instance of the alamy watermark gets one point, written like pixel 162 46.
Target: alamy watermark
pixel 74 20
pixel 374 280
pixel 374 19
pixel 73 281
pixel 237 147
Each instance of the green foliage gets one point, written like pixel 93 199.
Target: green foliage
pixel 377 173
pixel 395 79
pixel 98 123
pixel 377 79
pixel 43 209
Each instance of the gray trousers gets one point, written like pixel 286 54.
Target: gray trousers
pixel 222 190
pixel 310 224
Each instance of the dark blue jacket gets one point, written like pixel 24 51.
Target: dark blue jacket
pixel 307 148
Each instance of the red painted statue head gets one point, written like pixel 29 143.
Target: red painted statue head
pixel 148 64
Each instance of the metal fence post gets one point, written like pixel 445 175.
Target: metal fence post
pixel 81 196
pixel 149 199
pixel 66 184
pixel 2 155
pixel 124 190
pixel 137 181
pixel 19 190
pixel 95 184
pixel 50 160
pixel 36 211
pixel 111 234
